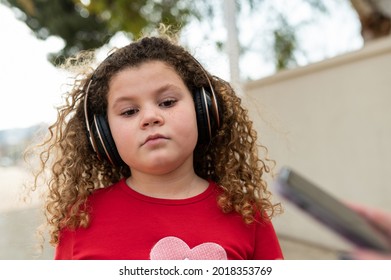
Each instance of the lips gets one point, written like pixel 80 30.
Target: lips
pixel 154 137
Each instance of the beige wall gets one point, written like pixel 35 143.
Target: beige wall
pixel 331 121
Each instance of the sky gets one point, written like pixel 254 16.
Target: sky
pixel 31 87
pixel 29 83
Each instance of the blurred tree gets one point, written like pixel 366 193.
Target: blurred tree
pixel 284 45
pixel 79 29
pixel 375 18
pixel 86 24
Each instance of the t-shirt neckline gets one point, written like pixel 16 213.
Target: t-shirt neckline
pixel 206 193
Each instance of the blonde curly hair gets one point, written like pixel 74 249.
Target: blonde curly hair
pixel 75 171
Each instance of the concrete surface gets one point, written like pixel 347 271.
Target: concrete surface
pixel 329 121
pixel 19 236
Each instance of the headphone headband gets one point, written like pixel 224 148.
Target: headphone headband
pixel 89 134
pixel 213 97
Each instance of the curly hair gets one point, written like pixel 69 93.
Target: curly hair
pixel 230 159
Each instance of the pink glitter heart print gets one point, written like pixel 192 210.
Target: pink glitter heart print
pixel 173 248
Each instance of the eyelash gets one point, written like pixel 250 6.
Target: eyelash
pixel 168 103
pixel 129 112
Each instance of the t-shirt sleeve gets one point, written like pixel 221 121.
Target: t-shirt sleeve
pixel 64 249
pixel 267 246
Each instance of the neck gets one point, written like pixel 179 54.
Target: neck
pixel 174 185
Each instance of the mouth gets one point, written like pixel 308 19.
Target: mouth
pixel 154 138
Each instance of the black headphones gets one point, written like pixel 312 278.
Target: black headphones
pixel 208 113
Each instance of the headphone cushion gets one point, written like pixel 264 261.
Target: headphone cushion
pixel 106 141
pixel 202 121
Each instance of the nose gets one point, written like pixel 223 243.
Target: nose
pixel 151 117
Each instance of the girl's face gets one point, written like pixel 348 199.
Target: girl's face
pixel 152 118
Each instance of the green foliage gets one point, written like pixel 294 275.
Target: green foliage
pixel 89 24
pixel 135 17
pixel 65 20
pixel 284 45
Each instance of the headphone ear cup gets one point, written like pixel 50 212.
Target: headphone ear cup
pixel 202 121
pixel 208 113
pixel 104 141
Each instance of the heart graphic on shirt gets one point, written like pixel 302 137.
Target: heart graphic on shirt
pixel 173 248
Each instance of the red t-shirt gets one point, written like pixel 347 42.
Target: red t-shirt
pixel 128 225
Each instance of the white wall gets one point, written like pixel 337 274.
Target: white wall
pixel 331 121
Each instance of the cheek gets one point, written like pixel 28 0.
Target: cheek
pixel 188 130
pixel 186 119
pixel 122 135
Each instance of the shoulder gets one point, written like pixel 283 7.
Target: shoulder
pixel 215 187
pixel 104 193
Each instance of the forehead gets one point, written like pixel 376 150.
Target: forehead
pixel 151 77
pixel 151 71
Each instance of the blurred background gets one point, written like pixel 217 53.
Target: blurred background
pixel 313 73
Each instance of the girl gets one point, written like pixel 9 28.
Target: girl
pixel 154 158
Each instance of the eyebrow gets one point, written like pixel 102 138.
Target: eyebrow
pixel 155 93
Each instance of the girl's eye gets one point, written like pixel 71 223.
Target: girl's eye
pixel 129 112
pixel 168 103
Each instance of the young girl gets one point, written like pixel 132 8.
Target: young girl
pixel 153 158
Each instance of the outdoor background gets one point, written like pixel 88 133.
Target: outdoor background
pixel 314 75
